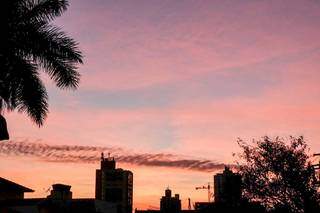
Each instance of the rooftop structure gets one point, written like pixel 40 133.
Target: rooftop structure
pixel 60 192
pixel 11 191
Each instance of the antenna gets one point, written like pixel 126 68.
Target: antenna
pixel 102 156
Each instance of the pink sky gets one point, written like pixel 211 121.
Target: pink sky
pixel 181 77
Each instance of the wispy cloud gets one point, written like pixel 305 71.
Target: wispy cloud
pixel 91 154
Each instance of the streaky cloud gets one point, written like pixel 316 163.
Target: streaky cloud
pixel 91 154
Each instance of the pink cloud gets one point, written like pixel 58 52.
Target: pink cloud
pixel 132 52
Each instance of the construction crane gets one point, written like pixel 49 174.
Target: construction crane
pixel 208 187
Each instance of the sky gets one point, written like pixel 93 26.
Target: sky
pixel 184 78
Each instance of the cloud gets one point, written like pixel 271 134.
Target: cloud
pixel 91 154
pixel 146 45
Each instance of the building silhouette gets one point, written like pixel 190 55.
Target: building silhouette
pixel 12 191
pixel 59 200
pixel 60 192
pixel 169 203
pixel 227 196
pixel 227 187
pixel 114 185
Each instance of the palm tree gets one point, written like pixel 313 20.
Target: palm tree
pixel 28 44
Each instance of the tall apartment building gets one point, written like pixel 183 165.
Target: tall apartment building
pixel 114 185
pixel 170 204
pixel 227 187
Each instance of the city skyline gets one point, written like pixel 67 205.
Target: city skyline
pixel 182 78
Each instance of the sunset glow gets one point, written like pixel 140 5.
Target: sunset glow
pixel 185 78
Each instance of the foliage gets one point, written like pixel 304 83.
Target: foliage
pixel 279 174
pixel 28 44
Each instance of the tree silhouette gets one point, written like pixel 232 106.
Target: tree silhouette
pixel 28 44
pixel 279 174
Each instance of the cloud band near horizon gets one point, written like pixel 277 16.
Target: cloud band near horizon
pixel 91 154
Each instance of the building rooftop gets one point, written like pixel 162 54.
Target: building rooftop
pixel 7 185
pixel 61 187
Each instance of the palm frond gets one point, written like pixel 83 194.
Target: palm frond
pixel 33 99
pixel 28 44
pixel 52 49
pixel 27 92
pixel 63 73
pixel 45 10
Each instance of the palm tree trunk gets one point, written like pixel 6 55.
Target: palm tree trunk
pixel 4 135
